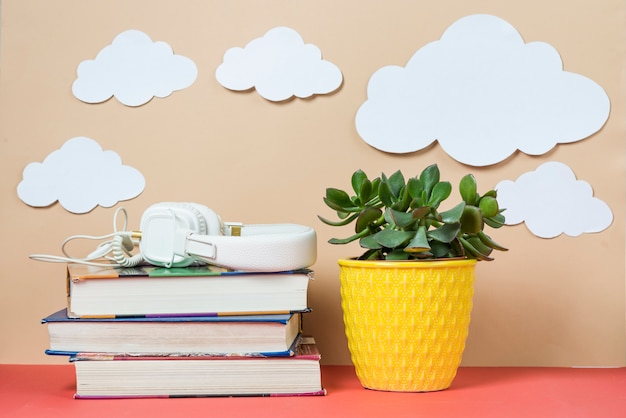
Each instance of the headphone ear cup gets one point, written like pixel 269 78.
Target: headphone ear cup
pixel 211 222
pixel 161 223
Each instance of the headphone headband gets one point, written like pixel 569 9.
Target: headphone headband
pixel 277 247
pixel 180 234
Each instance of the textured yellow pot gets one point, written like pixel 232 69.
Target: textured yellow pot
pixel 407 322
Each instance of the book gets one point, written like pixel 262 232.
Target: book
pixel 109 376
pixel 250 335
pixel 202 291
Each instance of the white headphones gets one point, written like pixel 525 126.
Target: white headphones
pixel 176 234
pixel 180 234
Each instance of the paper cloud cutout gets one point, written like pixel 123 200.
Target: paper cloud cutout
pixel 279 65
pixel 134 70
pixel 80 175
pixel 482 93
pixel 551 201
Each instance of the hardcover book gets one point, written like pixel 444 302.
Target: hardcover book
pixel 110 376
pixel 200 291
pixel 250 335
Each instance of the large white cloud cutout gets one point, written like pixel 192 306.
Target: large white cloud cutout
pixel 134 70
pixel 482 93
pixel 279 65
pixel 80 175
pixel 551 201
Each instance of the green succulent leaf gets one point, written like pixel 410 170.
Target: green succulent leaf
pixel 358 177
pixel 457 248
pixel 403 203
pixel 440 192
pixel 340 241
pixel 491 193
pixel 421 212
pixel 488 241
pixel 397 255
pixel 471 220
pixel 424 198
pixel 398 218
pixel 370 243
pixel 488 206
pixel 385 194
pixel 477 243
pixel 375 254
pixel 391 238
pixel 342 222
pixel 472 252
pixel 375 186
pixel 419 243
pixel 496 221
pixel 340 208
pixel 396 183
pixel 415 187
pixel 453 215
pixel 467 188
pixel 344 215
pixel 429 177
pixel 338 200
pixel 440 249
pixel 365 192
pixel 446 233
pixel 366 218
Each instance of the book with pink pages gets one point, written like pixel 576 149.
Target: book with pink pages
pixel 100 376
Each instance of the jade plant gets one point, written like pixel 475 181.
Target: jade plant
pixel 398 219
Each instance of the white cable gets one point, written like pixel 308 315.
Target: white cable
pixel 119 244
pixel 121 255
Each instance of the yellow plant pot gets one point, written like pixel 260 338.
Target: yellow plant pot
pixel 407 321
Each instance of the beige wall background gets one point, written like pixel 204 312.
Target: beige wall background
pixel 556 302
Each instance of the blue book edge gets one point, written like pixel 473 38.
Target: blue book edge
pixel 78 355
pixel 61 316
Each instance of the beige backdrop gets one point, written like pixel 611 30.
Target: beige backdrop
pixel 546 302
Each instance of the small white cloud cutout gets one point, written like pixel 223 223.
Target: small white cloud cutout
pixel 551 201
pixel 134 70
pixel 81 176
pixel 279 65
pixel 483 94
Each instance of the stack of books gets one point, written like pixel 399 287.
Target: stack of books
pixel 186 332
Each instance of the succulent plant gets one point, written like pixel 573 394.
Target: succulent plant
pixel 400 220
